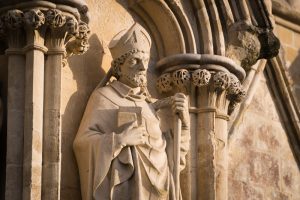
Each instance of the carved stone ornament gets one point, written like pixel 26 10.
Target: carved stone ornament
pixel 119 131
pixel 181 78
pixel 221 80
pixel 201 77
pixel 80 44
pixel 34 18
pixel 235 85
pixel 14 19
pixel 83 31
pixel 55 18
pixel 164 83
pixel 72 26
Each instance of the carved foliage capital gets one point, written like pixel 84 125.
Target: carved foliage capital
pixel 34 18
pixel 62 30
pixel 13 19
pixel 55 18
pixel 220 82
pixel 201 77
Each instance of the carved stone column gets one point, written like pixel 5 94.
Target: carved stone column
pixel 63 28
pixel 40 36
pixel 52 141
pixel 11 28
pixel 34 101
pixel 218 90
pixel 216 99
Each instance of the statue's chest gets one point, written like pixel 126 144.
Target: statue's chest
pixel 149 118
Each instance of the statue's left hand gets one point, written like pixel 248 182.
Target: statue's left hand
pixel 180 106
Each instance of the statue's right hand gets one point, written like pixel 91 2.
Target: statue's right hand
pixel 132 135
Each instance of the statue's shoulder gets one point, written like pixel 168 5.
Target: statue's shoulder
pixel 104 92
pixel 107 93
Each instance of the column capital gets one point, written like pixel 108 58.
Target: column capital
pixel 219 78
pixel 48 26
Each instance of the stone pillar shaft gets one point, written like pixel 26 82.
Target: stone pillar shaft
pixel 15 103
pixel 52 128
pixel 212 138
pixel 33 124
pixel 15 125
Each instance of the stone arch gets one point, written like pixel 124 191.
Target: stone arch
pixel 168 25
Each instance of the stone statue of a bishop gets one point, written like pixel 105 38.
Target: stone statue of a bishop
pixel 121 151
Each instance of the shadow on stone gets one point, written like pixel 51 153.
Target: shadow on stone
pixel 87 71
pixel 295 76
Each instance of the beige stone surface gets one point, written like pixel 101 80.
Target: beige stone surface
pixel 261 164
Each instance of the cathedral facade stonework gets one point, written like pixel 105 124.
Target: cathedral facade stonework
pixel 150 99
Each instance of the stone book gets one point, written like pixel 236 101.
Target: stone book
pixel 128 115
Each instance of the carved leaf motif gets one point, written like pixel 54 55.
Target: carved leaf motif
pixel 34 18
pixel 14 19
pixel 201 77
pixel 181 77
pixel 55 18
pixel 235 86
pixel 164 83
pixel 221 80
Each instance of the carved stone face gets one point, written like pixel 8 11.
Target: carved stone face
pixel 133 71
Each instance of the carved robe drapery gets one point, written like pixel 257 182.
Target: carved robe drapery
pixel 108 171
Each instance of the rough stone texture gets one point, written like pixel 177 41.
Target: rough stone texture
pixel 290 45
pixel 262 165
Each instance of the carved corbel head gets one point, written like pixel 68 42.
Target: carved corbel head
pixel 72 26
pixel 83 31
pixel 244 45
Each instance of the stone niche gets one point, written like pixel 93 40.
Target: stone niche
pixel 84 73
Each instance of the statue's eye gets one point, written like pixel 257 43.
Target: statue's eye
pixel 133 61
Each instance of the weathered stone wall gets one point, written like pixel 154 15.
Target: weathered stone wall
pixel 290 41
pixel 262 165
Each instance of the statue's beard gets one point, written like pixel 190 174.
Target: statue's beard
pixel 137 79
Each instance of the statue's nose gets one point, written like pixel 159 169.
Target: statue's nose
pixel 142 66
